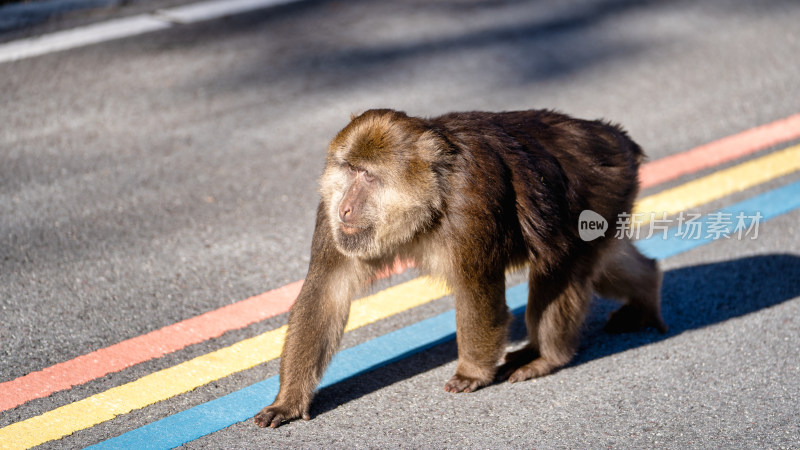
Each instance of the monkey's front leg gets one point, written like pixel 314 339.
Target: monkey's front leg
pixel 481 323
pixel 316 323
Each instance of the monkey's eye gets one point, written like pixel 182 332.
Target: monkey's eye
pixel 368 176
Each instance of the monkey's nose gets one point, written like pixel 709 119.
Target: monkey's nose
pixel 345 212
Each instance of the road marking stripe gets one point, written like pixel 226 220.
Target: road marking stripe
pixel 720 151
pixel 243 404
pixel 129 26
pixel 191 374
pixel 241 314
pixel 768 205
pixel 201 370
pixel 216 9
pixel 153 345
pixel 147 346
pixel 720 184
pixel 79 37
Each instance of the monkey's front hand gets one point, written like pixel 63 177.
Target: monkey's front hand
pixel 275 414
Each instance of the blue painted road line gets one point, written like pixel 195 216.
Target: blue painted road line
pixel 765 206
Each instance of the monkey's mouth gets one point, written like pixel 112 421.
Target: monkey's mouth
pixel 351 228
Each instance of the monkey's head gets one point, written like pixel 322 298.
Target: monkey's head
pixel 382 184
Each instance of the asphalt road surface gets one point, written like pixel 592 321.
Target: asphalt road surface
pixel 151 179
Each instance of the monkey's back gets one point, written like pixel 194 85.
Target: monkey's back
pixel 539 170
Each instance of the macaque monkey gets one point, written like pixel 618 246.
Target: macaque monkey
pixel 468 196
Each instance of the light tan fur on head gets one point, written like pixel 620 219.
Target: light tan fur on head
pixel 399 154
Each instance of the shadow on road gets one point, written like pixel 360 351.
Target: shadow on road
pixel 330 45
pixel 693 297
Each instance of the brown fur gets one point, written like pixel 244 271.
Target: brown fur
pixel 468 196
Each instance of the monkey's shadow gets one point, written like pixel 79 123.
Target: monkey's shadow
pixel 692 297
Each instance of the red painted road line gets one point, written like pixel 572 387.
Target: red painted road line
pixel 147 346
pixel 254 309
pixel 154 344
pixel 719 151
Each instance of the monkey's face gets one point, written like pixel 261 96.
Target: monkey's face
pixel 379 185
pixel 353 207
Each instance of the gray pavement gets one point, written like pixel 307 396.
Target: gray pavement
pixel 150 179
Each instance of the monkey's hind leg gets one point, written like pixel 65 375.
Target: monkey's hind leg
pixel 555 313
pixel 635 279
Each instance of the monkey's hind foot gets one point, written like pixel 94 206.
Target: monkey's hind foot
pixel 461 383
pixel 534 369
pixel 524 364
pixel 514 360
pixel 630 318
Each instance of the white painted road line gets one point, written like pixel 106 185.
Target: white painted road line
pixel 129 26
pixel 216 9
pixel 79 37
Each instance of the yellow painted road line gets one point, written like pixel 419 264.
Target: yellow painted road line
pixel 246 354
pixel 719 184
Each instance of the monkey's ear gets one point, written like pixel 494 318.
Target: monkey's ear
pixel 356 115
pixel 431 146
